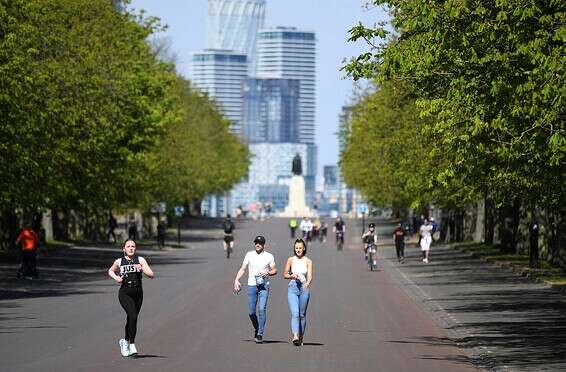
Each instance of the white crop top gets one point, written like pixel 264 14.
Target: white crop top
pixel 299 266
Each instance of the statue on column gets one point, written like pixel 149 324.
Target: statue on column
pixel 297 168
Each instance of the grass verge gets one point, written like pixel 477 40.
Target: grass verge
pixel 546 272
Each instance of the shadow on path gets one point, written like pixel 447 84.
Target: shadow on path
pixel 502 318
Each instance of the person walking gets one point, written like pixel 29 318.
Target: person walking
pixel 161 233
pixel 133 229
pixel 228 229
pixel 425 232
pixel 298 270
pixel 293 226
pixel 127 271
pixel 399 239
pixel 112 224
pixel 260 265
pixel 28 240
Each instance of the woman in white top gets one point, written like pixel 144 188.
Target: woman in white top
pixel 299 272
pixel 426 239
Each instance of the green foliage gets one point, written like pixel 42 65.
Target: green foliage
pixel 198 155
pixel 92 120
pixel 489 84
pixel 82 99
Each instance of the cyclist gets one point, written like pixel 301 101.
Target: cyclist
pixel 339 229
pixel 316 229
pixel 228 227
pixel 323 232
pixel 369 237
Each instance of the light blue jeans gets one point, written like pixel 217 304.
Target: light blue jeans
pixel 298 297
pixel 258 294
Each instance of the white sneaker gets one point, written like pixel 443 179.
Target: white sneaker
pixel 124 347
pixel 133 350
pixel 425 260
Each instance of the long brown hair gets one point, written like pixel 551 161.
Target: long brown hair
pixel 299 240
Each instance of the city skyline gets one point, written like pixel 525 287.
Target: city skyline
pixel 330 20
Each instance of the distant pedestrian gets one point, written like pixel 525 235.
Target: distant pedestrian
pixel 228 229
pixel 293 226
pixel 298 270
pixel 306 228
pixel 425 232
pixel 133 230
pixel 127 271
pixel 112 224
pixel 161 232
pixel 399 239
pixel 28 240
pixel 260 265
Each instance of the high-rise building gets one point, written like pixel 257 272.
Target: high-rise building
pixel 288 53
pixel 220 74
pixel 233 25
pixel 271 110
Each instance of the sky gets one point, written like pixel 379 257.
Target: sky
pixel 329 19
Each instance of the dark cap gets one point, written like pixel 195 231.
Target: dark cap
pixel 259 240
pixel 372 225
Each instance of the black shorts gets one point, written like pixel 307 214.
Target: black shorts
pixel 228 239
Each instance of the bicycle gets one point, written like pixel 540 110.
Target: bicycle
pixel 372 255
pixel 339 240
pixel 228 244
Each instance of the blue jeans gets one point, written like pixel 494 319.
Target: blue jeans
pixel 258 293
pixel 298 297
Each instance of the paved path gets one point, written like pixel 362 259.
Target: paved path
pixel 505 321
pixel 190 320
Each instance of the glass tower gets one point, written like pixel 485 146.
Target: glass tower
pixel 271 110
pixel 220 74
pixel 288 53
pixel 233 25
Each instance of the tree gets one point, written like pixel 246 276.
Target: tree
pixel 490 78
pixel 198 155
pixel 83 100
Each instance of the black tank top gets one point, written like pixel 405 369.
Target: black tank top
pixel 131 277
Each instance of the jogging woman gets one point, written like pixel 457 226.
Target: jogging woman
pixel 299 272
pixel 128 272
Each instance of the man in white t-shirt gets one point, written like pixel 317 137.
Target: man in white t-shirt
pixel 260 265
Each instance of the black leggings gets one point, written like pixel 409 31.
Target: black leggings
pixel 131 299
pixel 400 248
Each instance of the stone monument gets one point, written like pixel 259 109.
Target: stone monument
pixel 297 206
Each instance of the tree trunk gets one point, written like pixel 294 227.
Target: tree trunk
pixel 9 227
pixel 489 221
pixel 516 220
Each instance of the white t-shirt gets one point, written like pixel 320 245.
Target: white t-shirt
pixel 257 263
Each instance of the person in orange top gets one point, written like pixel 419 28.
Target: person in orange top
pixel 28 240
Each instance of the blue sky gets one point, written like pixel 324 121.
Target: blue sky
pixel 330 19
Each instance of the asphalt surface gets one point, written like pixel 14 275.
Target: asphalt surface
pixel 395 319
